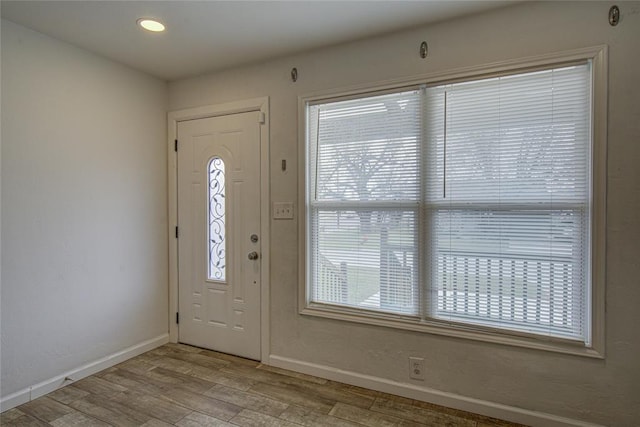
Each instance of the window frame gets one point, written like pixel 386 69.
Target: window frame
pixel 598 56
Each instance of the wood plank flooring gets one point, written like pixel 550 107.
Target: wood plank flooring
pixel 179 385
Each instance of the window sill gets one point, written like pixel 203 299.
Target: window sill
pixel 451 330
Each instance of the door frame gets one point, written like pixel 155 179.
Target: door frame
pixel 174 117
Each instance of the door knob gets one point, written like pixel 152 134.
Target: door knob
pixel 253 255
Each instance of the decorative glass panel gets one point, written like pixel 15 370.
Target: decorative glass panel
pixel 217 243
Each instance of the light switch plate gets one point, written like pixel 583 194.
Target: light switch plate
pixel 282 210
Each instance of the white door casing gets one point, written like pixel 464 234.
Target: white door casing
pixel 222 314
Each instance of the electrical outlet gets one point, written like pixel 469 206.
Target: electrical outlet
pixel 416 368
pixel 283 210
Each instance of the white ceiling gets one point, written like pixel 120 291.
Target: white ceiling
pixel 204 36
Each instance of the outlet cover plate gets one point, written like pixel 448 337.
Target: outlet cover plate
pixel 416 368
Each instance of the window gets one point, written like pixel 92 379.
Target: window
pixel 216 228
pixel 365 210
pixel 463 206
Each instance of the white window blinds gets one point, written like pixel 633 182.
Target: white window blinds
pixel 508 197
pixel 365 193
pixel 464 203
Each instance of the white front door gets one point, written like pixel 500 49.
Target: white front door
pixel 219 233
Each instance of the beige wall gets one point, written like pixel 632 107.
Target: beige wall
pixel 601 391
pixel 84 224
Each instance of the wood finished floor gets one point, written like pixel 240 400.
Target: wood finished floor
pixel 179 385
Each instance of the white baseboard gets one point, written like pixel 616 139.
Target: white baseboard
pixel 451 400
pixel 52 384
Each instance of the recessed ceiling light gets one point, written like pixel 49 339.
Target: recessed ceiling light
pixel 151 25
